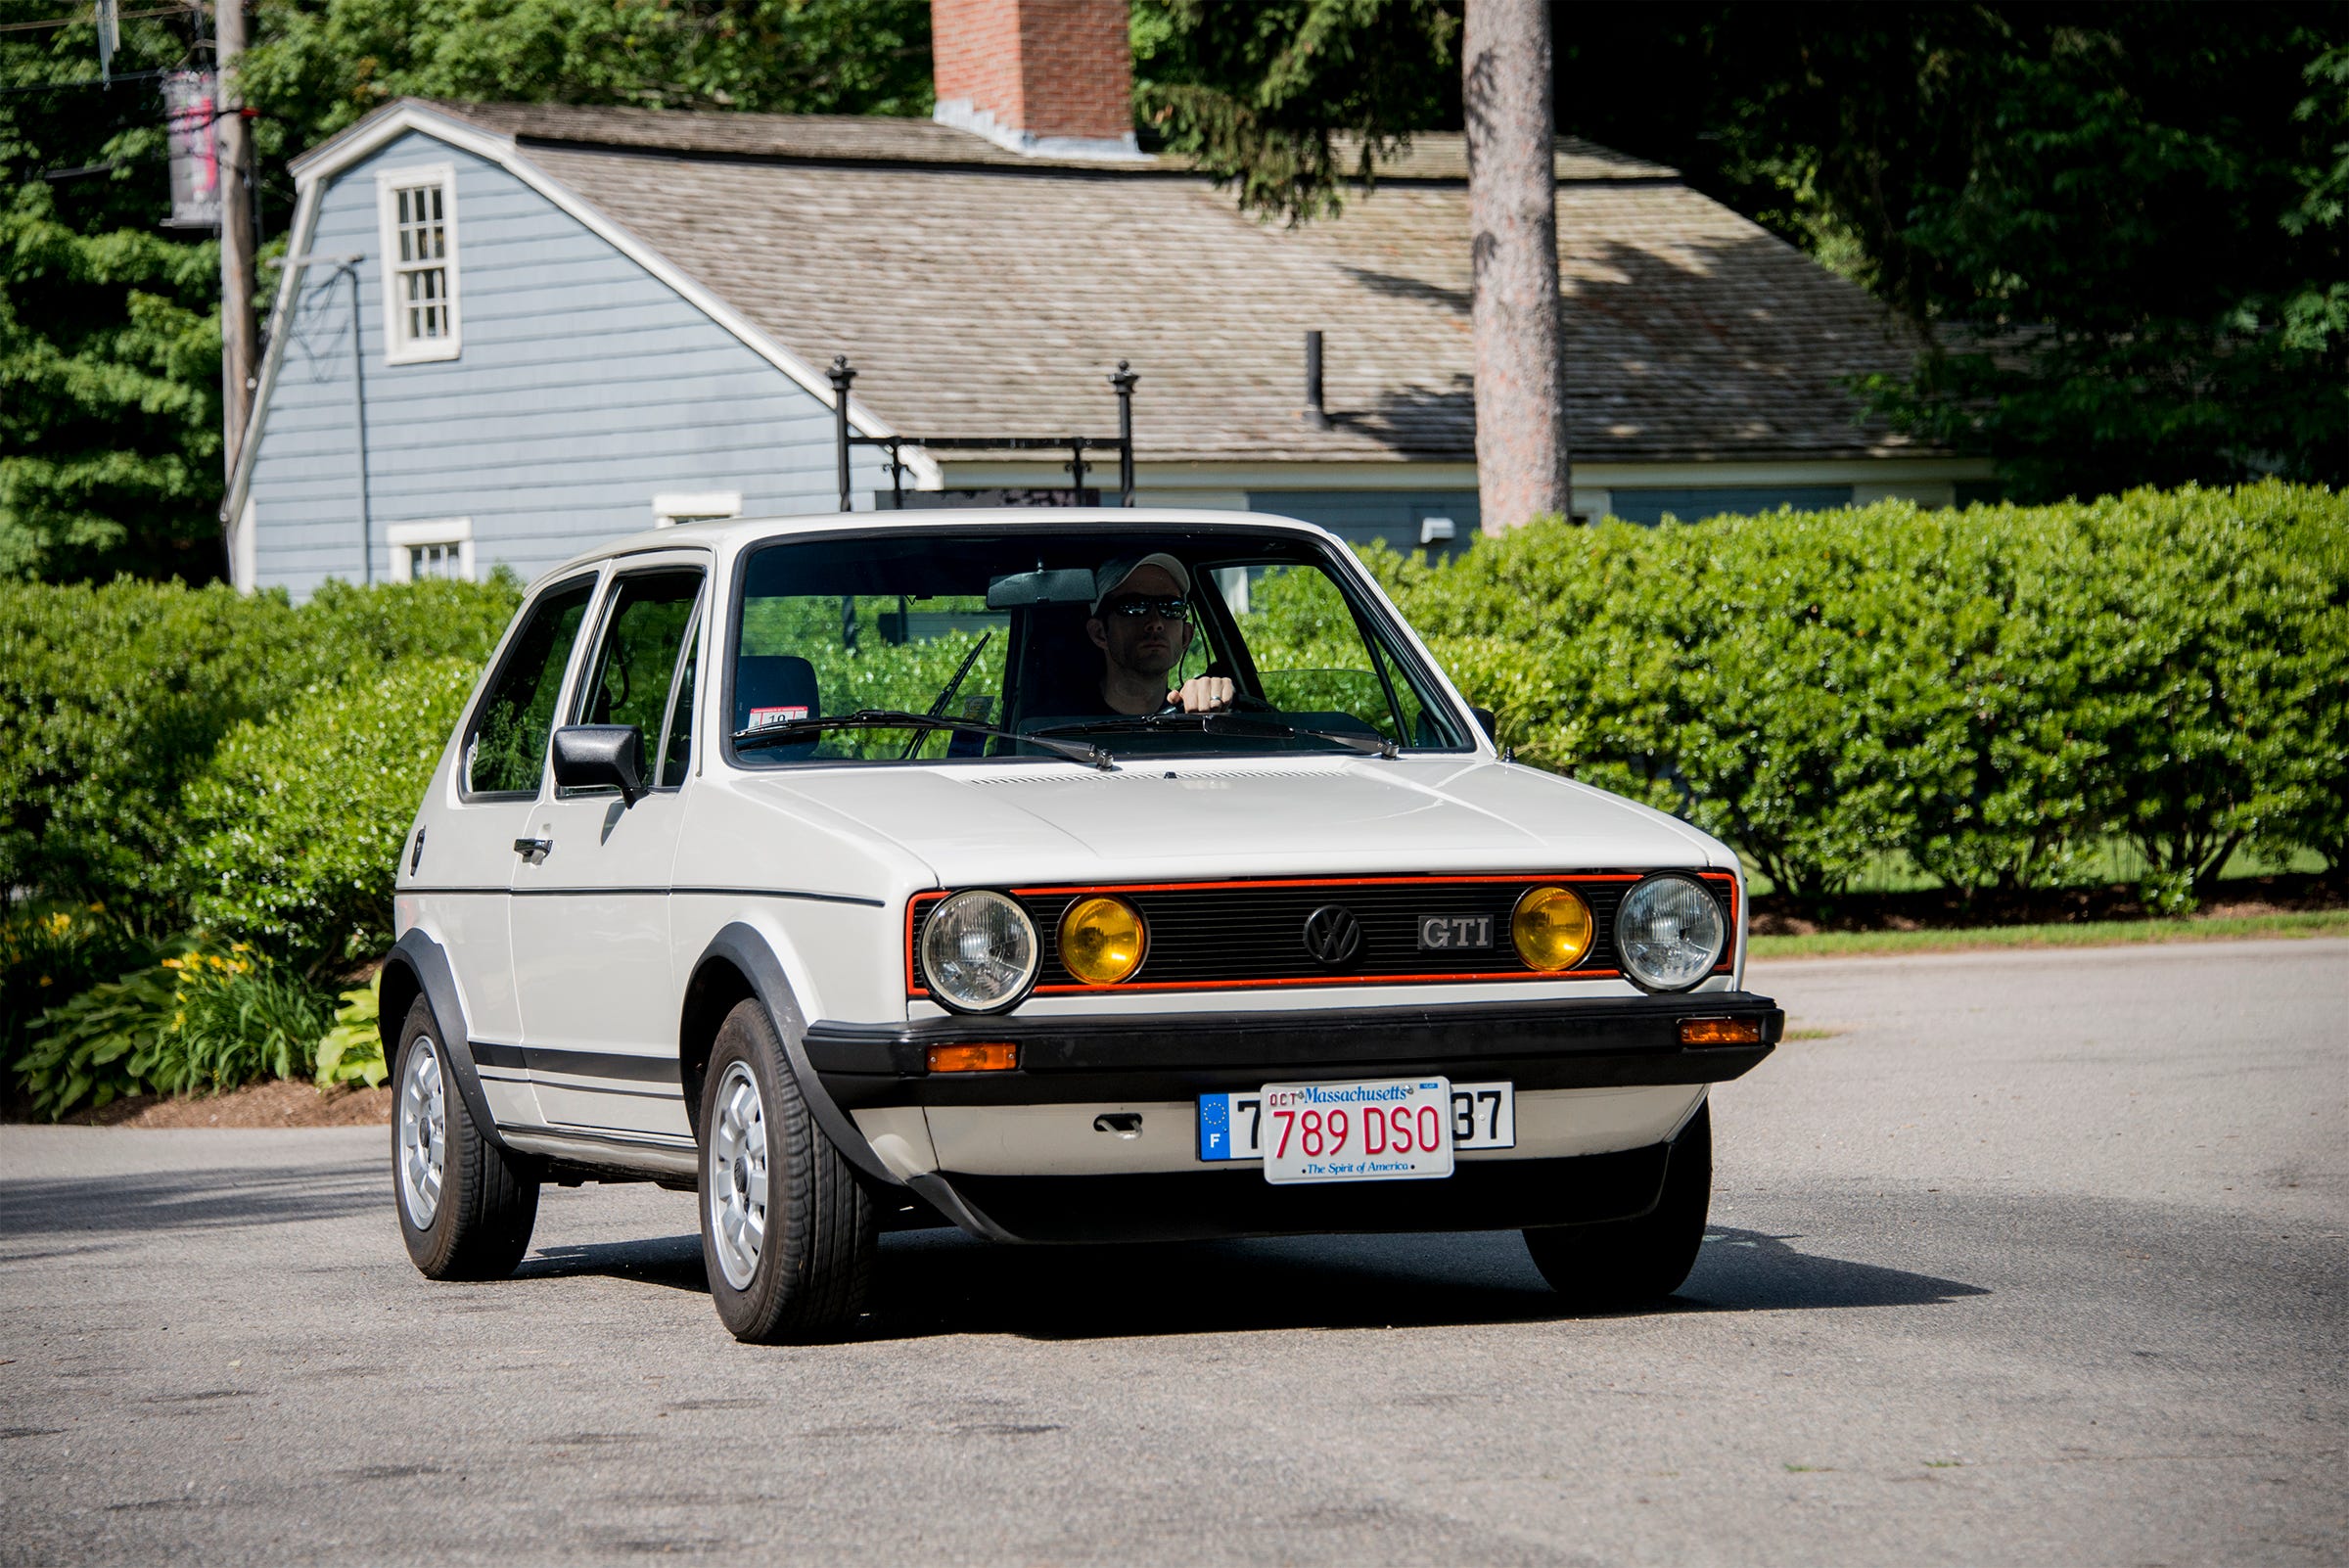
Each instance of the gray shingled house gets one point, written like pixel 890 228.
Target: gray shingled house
pixel 576 323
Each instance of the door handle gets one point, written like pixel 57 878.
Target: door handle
pixel 533 850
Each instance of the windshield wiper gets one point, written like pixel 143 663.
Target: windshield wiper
pixel 1246 723
pixel 898 719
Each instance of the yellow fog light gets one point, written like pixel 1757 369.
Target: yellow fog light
pixel 1552 928
pixel 1101 940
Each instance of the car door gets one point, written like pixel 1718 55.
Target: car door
pixel 590 904
pixel 463 872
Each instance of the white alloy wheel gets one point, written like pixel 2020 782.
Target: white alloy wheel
pixel 737 1175
pixel 423 1134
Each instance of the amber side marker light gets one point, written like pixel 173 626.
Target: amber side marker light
pixel 990 1058
pixel 1720 1031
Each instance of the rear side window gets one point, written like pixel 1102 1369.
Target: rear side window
pixel 507 751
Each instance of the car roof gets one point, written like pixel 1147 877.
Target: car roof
pixel 723 534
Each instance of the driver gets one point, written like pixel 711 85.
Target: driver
pixel 1141 621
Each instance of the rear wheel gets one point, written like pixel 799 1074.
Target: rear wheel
pixel 1631 1263
pixel 788 1231
pixel 466 1205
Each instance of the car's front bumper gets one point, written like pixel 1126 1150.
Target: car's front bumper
pixel 880 1073
pixel 1611 1042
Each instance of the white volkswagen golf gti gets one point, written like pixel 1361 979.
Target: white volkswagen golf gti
pixel 1060 875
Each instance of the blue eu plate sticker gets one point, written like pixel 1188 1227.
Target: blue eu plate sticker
pixel 1215 1127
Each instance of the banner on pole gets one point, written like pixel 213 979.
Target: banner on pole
pixel 189 107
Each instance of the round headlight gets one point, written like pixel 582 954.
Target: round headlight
pixel 1101 940
pixel 1552 928
pixel 1670 933
pixel 979 952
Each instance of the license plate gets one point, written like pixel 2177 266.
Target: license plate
pixel 1235 1125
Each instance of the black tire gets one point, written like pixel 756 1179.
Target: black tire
pixel 1631 1263
pixel 479 1221
pixel 816 1229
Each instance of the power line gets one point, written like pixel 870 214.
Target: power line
pixel 86 81
pixel 67 21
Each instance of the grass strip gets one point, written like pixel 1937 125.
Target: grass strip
pixel 2082 933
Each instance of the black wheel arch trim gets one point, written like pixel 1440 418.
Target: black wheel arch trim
pixel 435 980
pixel 747 949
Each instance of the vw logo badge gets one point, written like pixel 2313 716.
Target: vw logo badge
pixel 1332 934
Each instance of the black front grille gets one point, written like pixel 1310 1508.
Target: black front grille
pixel 1255 932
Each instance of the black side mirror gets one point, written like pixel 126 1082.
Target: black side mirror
pixel 1486 718
pixel 591 756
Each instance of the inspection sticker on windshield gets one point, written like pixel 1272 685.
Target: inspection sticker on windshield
pixel 763 717
pixel 1248 1125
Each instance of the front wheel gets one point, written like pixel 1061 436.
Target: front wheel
pixel 466 1205
pixel 1631 1263
pixel 788 1232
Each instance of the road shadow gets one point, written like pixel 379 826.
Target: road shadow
pixel 931 1283
pixel 151 1202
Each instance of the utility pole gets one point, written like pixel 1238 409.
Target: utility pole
pixel 1522 464
pixel 239 336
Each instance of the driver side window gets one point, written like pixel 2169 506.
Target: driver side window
pixel 642 674
pixel 507 751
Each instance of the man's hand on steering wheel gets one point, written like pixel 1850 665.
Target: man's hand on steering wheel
pixel 1202 694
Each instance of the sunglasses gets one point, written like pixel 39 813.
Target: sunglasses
pixel 1135 606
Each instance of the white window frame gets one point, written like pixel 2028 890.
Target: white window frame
pixel 401 538
pixel 399 347
pixel 672 507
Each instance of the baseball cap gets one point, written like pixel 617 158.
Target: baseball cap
pixel 1112 577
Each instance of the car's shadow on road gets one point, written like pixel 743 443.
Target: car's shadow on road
pixel 931 1283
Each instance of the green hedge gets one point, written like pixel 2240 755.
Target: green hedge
pixel 1990 691
pixel 114 699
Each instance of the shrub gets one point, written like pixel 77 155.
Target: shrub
pixel 352 1050
pixel 199 1017
pixel 294 830
pixel 1991 692
pixel 112 699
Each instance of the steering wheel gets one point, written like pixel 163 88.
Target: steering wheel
pixel 1241 702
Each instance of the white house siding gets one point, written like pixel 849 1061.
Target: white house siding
pixel 585 387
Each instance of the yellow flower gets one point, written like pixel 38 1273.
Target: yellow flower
pixel 170 963
pixel 44 980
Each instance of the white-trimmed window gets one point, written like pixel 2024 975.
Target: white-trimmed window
pixel 673 507
pixel 417 211
pixel 420 551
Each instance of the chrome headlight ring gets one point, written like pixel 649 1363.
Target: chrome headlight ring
pixel 1669 932
pixel 979 952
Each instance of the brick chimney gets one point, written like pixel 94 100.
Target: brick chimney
pixel 1049 78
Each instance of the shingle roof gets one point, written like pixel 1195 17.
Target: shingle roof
pixel 981 293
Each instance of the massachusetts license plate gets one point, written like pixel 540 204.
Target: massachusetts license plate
pixel 1248 1125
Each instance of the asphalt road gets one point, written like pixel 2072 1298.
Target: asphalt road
pixel 2035 1258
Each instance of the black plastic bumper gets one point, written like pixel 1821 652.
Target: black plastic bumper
pixel 1610 1042
pixel 1215 1204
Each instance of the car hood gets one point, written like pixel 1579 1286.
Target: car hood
pixel 1004 823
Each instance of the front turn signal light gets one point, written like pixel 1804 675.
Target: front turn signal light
pixel 1101 940
pixel 1720 1031
pixel 1552 928
pixel 992 1057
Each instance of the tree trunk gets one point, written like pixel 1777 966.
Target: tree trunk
pixel 1521 457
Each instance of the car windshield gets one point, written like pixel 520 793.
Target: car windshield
pixel 997 629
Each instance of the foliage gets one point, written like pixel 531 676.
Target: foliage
pixel 110 331
pixel 82 1049
pixel 296 829
pixel 235 1021
pixel 352 1050
pixel 1287 99
pixel 198 1018
pixel 50 950
pixel 1990 691
pixel 112 699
